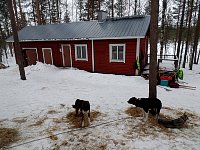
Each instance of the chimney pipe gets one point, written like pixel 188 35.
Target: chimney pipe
pixel 102 15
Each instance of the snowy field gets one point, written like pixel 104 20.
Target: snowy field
pixel 36 108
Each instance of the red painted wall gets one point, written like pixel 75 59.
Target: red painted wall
pixel 102 63
pixel 143 51
pixel 57 54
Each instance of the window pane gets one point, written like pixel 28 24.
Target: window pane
pixel 78 51
pixel 114 52
pixel 120 53
pixel 83 52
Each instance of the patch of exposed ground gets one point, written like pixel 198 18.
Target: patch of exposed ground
pixel 75 121
pixel 8 136
pixel 151 127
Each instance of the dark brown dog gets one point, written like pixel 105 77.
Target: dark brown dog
pixel 174 123
pixel 147 104
pixel 84 107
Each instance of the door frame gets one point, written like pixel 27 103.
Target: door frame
pixel 31 49
pixel 51 54
pixel 63 59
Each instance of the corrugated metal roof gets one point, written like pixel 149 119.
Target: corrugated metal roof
pixel 128 27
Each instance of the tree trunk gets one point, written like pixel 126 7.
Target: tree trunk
pixel 17 47
pixel 22 16
pixel 188 32
pixel 153 49
pixel 198 57
pixel 58 14
pixel 88 10
pixel 16 14
pixel 135 9
pixel 11 49
pixel 38 12
pixel 92 13
pixel 129 7
pixel 99 5
pixel 112 8
pixel 181 30
pixel 162 28
pixel 33 6
pixel 196 38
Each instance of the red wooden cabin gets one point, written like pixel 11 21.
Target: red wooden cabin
pixel 103 46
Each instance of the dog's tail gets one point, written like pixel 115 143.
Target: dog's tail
pixel 74 106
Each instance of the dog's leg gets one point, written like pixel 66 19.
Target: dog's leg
pixel 89 117
pixel 146 115
pixel 82 119
pixel 85 119
pixel 157 113
pixel 76 112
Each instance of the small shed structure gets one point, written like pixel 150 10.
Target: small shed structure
pixel 107 45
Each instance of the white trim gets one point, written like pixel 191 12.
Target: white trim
pixel 110 52
pixel 32 49
pixel 83 59
pixel 69 52
pixel 137 54
pixel 92 55
pixel 51 54
pixel 114 38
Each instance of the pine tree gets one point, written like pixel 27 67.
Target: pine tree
pixel 54 12
pixel 147 8
pixel 163 28
pixel 181 29
pixel 22 19
pixel 196 38
pixel 80 10
pixel 109 4
pixel 188 31
pixel 18 51
pixel 120 7
pixel 66 15
pixel 4 19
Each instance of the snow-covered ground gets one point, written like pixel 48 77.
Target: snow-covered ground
pixel 33 105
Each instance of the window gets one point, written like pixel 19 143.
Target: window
pixel 81 52
pixel 117 52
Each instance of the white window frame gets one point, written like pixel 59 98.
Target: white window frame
pixel 84 59
pixel 110 52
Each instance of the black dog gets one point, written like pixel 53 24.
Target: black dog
pixel 152 105
pixel 84 107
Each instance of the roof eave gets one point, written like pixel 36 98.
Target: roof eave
pixel 114 38
pixel 101 38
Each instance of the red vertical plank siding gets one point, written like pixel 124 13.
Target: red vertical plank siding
pixel 55 46
pixel 81 64
pixel 144 51
pixel 103 64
